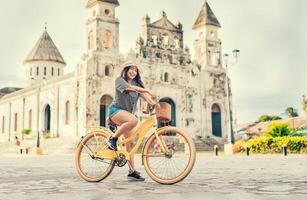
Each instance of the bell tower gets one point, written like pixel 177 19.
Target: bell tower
pixel 102 26
pixel 213 78
pixel 96 69
pixel 207 44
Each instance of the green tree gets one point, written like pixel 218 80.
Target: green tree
pixel 264 118
pixel 291 112
pixel 274 117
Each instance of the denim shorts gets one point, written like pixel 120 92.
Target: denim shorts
pixel 113 110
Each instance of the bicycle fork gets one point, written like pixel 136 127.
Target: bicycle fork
pixel 162 144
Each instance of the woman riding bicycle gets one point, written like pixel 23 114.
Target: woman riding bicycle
pixel 128 88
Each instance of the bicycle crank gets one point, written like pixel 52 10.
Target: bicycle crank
pixel 121 160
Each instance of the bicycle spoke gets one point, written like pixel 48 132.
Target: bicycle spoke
pixel 168 166
pixel 92 166
pixel 98 159
pixel 89 151
pixel 156 155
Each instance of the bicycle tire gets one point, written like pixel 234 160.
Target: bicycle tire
pixel 149 147
pixel 104 173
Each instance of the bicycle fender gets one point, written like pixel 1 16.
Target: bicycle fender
pixel 143 148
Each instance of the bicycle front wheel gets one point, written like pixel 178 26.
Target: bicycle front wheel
pixel 89 166
pixel 177 164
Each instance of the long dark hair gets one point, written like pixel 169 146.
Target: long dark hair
pixel 137 78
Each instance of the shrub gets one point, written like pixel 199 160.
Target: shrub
pixel 298 131
pixel 278 130
pixel 47 135
pixel 274 145
pixel 239 146
pixel 26 131
pixel 260 145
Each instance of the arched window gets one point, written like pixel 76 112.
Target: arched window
pixel 166 77
pixel 45 71
pixel 67 105
pixel 107 12
pixel 170 58
pixel 155 39
pixel 90 40
pixel 181 61
pixel 30 119
pixel 158 55
pixel 176 42
pixel 3 124
pixel 58 71
pixel 37 71
pixel 165 39
pixel 107 39
pixel 15 122
pixel 47 119
pixel 52 71
pixel 107 70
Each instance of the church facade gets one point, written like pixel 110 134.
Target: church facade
pixel 62 105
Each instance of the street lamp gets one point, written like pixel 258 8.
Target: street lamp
pixel 235 52
pixel 304 103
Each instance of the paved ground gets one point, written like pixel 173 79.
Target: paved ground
pixel 224 177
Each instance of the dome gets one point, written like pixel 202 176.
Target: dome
pixel 45 50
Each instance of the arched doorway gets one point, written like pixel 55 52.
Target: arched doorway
pixel 173 112
pixel 47 119
pixel 216 120
pixel 105 102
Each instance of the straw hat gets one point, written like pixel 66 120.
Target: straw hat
pixel 128 64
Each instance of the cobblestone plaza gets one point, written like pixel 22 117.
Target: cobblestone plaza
pixel 223 177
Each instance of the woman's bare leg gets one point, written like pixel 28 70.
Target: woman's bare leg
pixel 126 120
pixel 129 147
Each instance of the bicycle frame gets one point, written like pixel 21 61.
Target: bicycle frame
pixel 141 131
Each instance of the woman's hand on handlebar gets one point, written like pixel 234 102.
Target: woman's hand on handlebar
pixel 154 106
pixel 152 94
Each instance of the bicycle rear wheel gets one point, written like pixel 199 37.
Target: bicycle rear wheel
pixel 89 166
pixel 172 168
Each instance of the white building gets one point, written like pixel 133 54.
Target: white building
pixel 63 104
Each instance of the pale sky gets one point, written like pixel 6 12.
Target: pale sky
pixel 270 76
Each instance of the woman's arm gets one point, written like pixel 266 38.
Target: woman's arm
pixel 149 99
pixel 133 88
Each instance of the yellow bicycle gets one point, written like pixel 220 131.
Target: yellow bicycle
pixel 168 154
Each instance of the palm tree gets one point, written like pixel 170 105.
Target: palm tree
pixel 291 112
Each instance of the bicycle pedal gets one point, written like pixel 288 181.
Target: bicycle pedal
pixel 113 149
